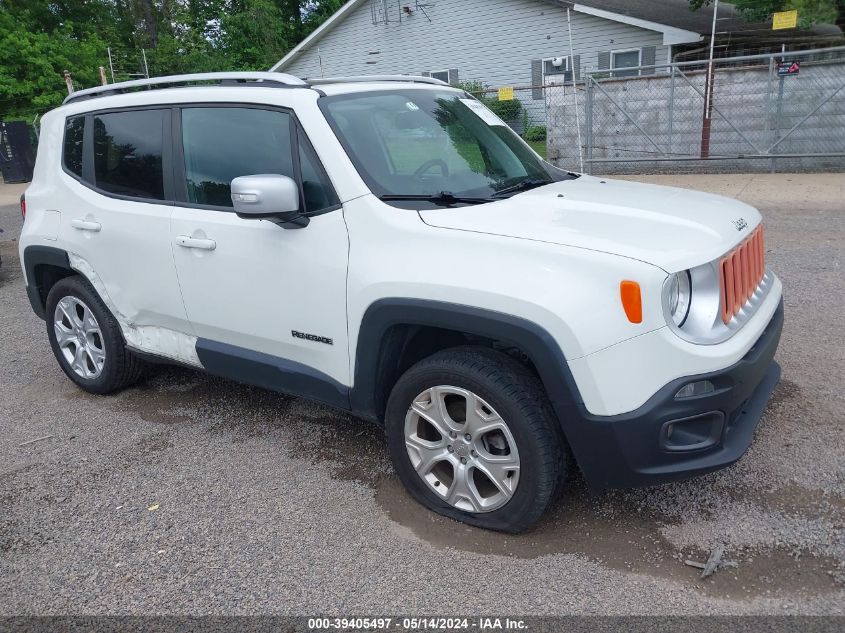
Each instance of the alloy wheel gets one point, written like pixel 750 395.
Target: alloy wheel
pixel 462 449
pixel 79 337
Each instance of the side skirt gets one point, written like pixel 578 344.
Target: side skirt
pixel 271 372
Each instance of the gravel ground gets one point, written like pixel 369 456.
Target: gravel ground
pixel 193 495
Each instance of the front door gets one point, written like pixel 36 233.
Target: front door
pixel 267 303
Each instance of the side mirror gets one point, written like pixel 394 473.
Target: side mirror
pixel 268 197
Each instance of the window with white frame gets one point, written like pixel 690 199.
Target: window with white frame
pixel 620 60
pixel 557 70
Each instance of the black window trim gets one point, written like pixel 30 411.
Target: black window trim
pixel 173 164
pixel 297 135
pixel 65 168
pixel 88 178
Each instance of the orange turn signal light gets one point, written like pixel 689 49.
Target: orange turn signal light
pixel 632 300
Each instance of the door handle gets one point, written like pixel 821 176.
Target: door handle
pixel 187 241
pixel 86 225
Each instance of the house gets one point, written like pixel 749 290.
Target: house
pixel 518 42
pixel 498 42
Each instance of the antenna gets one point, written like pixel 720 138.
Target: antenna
pixel 380 11
pixel 422 8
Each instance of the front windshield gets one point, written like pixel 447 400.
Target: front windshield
pixel 426 143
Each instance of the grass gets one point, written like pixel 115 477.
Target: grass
pixel 539 147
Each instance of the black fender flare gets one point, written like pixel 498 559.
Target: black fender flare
pixel 540 347
pixel 33 257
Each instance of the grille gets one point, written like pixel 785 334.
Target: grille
pixel 741 272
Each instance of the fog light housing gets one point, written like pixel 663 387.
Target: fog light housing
pixel 693 389
pixel 694 433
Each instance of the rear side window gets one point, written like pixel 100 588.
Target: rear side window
pixel 128 153
pixel 72 154
pixel 221 144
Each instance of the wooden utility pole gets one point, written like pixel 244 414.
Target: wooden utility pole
pixel 68 82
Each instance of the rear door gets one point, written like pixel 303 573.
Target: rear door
pixel 115 207
pixel 267 303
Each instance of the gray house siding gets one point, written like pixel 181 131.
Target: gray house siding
pixel 494 41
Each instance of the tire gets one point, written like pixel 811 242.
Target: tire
pixel 101 364
pixel 503 391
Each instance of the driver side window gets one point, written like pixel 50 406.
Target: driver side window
pixel 221 144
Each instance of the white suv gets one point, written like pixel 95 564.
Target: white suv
pixel 388 246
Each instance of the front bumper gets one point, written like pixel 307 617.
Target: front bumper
pixel 711 431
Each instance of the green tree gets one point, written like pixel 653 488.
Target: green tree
pixel 32 66
pixel 810 12
pixel 39 39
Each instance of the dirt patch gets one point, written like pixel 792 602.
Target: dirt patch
pixel 353 449
pixel 172 395
pixel 614 528
pixel 785 391
pixel 628 539
pixel 798 500
pixel 152 444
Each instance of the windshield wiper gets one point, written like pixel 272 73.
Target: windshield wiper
pixel 444 198
pixel 525 185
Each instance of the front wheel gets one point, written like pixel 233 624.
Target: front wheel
pixel 473 437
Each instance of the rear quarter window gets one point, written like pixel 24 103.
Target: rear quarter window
pixel 72 150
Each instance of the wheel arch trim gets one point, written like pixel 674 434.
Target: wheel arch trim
pixel 37 255
pixel 540 347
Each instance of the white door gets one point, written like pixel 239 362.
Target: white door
pixel 117 219
pixel 268 303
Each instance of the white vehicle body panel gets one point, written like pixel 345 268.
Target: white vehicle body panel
pixel 622 377
pixel 130 252
pixel 554 256
pixel 672 228
pixel 262 281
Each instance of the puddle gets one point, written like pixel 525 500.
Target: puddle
pixel 353 449
pixel 166 393
pixel 171 395
pixel 614 529
pixel 627 539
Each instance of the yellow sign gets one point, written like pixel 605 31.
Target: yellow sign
pixel 785 20
pixel 506 94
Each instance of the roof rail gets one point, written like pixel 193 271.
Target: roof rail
pixel 277 79
pixel 318 81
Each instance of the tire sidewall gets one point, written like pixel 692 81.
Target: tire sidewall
pixel 113 345
pixel 415 382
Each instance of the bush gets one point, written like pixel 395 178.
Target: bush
pixel 535 133
pixel 475 88
pixel 508 111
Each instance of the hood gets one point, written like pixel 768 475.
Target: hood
pixel 672 228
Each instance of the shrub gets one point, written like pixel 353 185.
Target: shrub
pixel 475 88
pixel 535 133
pixel 508 111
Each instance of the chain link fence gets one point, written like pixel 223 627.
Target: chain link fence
pixel 783 112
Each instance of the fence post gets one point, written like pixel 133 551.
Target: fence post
pixel 769 125
pixel 778 117
pixel 671 108
pixel 588 121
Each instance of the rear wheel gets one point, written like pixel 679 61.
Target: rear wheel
pixel 86 339
pixel 473 437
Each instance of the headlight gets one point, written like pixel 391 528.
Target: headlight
pixel 679 296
